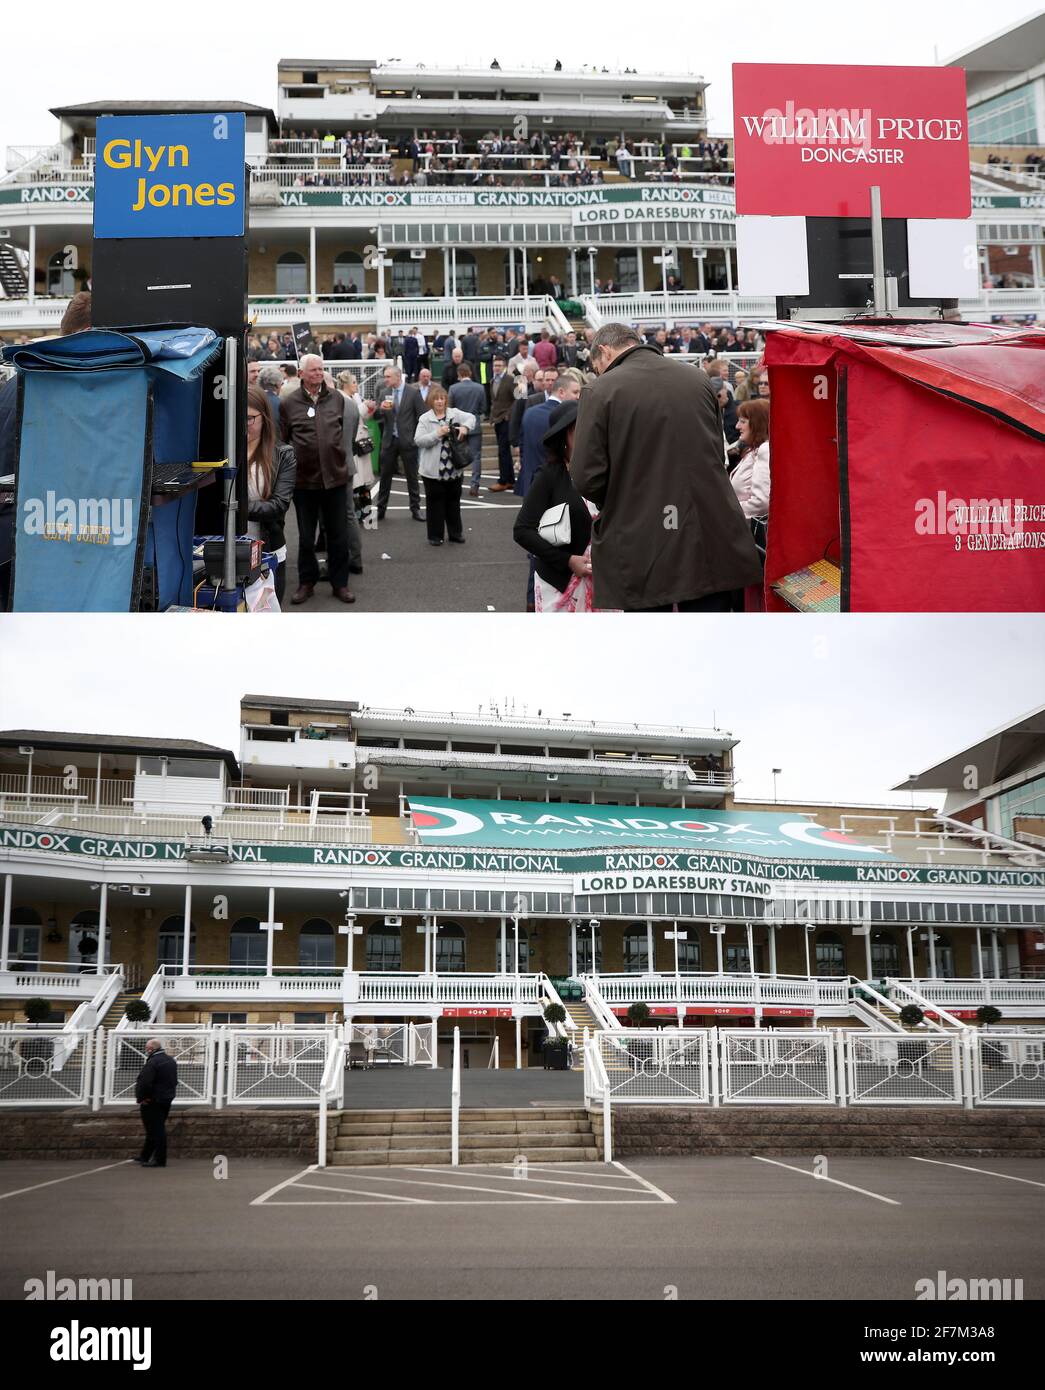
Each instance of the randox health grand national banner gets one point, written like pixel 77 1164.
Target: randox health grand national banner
pixel 539 824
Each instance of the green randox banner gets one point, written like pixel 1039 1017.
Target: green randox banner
pixel 440 820
pixel 525 861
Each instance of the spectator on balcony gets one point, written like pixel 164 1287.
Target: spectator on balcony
pixel 271 470
pixel 312 420
pixel 648 455
pixel 468 396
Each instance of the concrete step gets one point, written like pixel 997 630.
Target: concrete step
pixel 552 1112
pixel 530 1125
pixel 385 1157
pixel 362 1143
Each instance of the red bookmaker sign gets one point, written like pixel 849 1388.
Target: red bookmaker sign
pixel 477 1013
pixel 787 1013
pixel 810 141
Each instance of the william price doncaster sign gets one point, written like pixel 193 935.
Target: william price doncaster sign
pixel 809 141
pixel 584 865
pixel 170 176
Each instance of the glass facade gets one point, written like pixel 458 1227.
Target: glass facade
pixel 1010 119
pixel 1028 800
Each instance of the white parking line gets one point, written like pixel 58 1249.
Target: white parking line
pixel 463 1187
pixel 85 1174
pixel 652 1187
pixel 529 1176
pixel 988 1172
pixel 358 1192
pixel 820 1178
pixel 312 1168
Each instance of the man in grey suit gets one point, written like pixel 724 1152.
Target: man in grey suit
pixel 466 394
pixel 399 407
pixel 349 431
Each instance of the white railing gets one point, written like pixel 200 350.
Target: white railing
pixel 800 1066
pixel 1009 1068
pixel 396 1044
pixel 1029 175
pixel 278 1067
pixel 254 826
pixel 194 1050
pixel 46 1066
pixel 902 994
pixel 970 994
pixel 707 988
pixel 676 306
pixel 455 1103
pixel 52 979
pixel 154 997
pixel 398 987
pixel 530 310
pixel 251 982
pixel 91 1012
pixel 331 1088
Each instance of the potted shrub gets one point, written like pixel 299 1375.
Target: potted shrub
pixel 638 1014
pixel 137 1011
pixel 987 1015
pixel 556 1049
pixel 37 1010
pixel 911 1015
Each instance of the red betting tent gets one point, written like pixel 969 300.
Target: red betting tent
pixel 913 456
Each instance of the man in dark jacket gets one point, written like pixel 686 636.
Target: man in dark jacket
pixel 154 1091
pixel 468 395
pixel 399 407
pixel 649 454
pixel 312 420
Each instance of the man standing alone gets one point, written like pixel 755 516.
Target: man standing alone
pixel 649 454
pixel 154 1091
pixel 399 408
pixel 311 418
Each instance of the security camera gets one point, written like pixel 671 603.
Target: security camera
pixel 593 923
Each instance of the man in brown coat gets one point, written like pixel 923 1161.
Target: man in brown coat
pixel 649 454
pixel 311 418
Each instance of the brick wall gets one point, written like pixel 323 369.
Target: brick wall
pixel 83 1135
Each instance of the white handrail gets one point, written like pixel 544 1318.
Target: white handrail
pixel 455 1103
pixel 90 1013
pixel 331 1085
pixel 913 997
pixel 152 995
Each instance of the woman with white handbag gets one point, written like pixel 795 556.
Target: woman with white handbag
pixel 554 524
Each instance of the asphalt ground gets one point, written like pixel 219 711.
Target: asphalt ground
pixel 698 1228
pixel 402 573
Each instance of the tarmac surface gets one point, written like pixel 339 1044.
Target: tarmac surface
pixel 402 573
pixel 708 1228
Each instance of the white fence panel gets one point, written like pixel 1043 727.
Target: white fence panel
pixel 280 1067
pixel 192 1050
pixel 39 1067
pixel 781 1067
pixel 889 1069
pixel 656 1065
pixel 1009 1069
pixel 421 1048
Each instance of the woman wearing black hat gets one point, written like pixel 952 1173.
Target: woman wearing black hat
pixel 554 523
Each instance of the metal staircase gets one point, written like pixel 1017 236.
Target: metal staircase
pixel 14 280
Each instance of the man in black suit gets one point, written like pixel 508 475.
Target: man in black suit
pixel 470 350
pixel 399 407
pixel 154 1091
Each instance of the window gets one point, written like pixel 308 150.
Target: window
pixel 348 273
pixel 467 276
pixel 248 944
pixel 508 966
pixel 689 954
pixel 738 960
pixel 24 941
pixel 944 953
pixel 170 942
pixel 228 1018
pixel 830 954
pixel 310 1018
pixel 60 280
pixel 584 953
pixel 885 956
pixel 291 274
pixel 406 275
pixel 316 944
pixel 449 949
pixel 383 948
pixel 636 950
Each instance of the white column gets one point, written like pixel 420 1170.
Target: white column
pixel 504 947
pixel 380 278
pixel 591 271
pixel 446 270
pixel 103 904
pixel 932 952
pixel 98 784
pixel 979 955
pixel 5 930
pixel 750 948
pixel 718 951
pixel 311 279
pixel 518 1042
pixel 651 955
pixel 453 272
pixel 807 933
pixel 573 271
pixel 186 944
pixel 515 934
pixel 867 953
pixel 573 948
pixel 729 269
pixel 511 270
pixel 995 964
pixel 910 952
pixel 271 927
pixel 700 273
pixel 32 262
pixel 642 271
pixel 772 949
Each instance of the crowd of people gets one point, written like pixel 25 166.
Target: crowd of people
pixel 664 508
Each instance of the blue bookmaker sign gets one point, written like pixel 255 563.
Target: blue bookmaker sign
pixel 170 176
